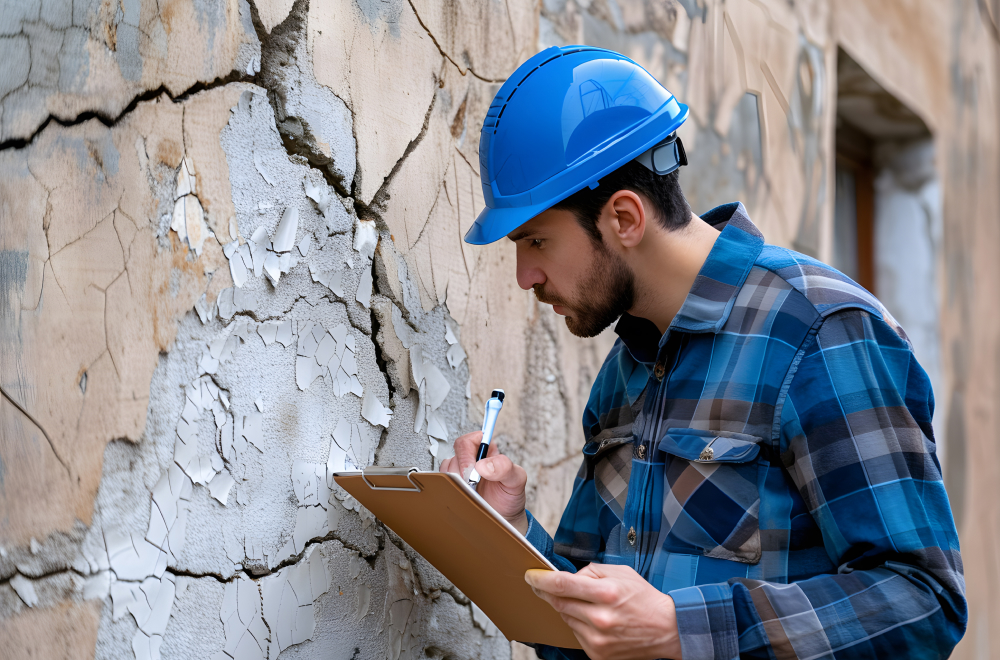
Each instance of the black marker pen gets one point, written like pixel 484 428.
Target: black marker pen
pixel 493 407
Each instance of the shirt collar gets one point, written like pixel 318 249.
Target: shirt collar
pixel 710 300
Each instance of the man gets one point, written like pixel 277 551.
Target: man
pixel 759 477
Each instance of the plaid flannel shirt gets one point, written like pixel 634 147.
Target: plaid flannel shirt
pixel 769 463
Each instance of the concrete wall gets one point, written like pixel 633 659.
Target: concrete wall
pixel 231 262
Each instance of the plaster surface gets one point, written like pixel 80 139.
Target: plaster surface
pixel 231 263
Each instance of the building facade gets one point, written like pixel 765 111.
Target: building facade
pixel 231 263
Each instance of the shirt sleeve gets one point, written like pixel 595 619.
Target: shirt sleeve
pixel 538 537
pixel 857 441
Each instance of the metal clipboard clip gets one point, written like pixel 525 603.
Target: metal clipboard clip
pixel 391 472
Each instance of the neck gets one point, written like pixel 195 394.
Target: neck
pixel 666 267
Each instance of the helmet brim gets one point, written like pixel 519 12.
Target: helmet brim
pixel 494 224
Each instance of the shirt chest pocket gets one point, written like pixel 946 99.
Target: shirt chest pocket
pixel 711 496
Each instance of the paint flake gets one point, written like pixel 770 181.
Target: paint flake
pixel 306 371
pixel 421 414
pixel 259 164
pixel 482 621
pixel 97 586
pixel 140 560
pixel 285 334
pixel 225 304
pixel 309 484
pixel 437 385
pixel 205 309
pixel 25 590
pixel 246 634
pixel 288 598
pixel 456 355
pixel 356 387
pixel 373 411
pixel 364 294
pixel 284 235
pixel 268 331
pixel 319 195
pixel 310 523
pixel 436 426
pixel 121 597
pixel 365 237
pixel 416 365
pixel 189 223
pixel 185 178
pixel 307 341
pixel 153 612
pixel 403 331
pixel 220 486
pixel 238 266
pixel 272 268
pixel 326 350
pixel 200 470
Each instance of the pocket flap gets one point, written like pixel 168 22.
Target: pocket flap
pixel 710 446
pixel 595 448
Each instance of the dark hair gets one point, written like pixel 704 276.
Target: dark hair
pixel 670 207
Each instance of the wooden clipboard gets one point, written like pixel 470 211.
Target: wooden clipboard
pixel 454 529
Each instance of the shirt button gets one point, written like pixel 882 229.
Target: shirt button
pixel 631 536
pixel 642 452
pixel 659 370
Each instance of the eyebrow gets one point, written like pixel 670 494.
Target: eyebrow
pixel 520 235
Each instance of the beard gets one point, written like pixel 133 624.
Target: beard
pixel 606 292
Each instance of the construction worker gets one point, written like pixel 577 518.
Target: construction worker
pixel 759 475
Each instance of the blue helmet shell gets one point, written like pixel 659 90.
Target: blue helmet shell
pixel 567 117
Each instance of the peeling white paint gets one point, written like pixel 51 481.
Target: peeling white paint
pixel 25 589
pixel 289 598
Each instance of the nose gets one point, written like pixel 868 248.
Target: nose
pixel 528 273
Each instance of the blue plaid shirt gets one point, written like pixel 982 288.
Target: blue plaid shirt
pixel 769 463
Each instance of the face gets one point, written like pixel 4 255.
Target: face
pixel 587 283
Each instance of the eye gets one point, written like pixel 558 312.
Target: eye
pixel 536 243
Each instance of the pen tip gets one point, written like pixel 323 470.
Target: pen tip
pixel 497 394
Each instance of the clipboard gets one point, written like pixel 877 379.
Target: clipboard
pixel 454 529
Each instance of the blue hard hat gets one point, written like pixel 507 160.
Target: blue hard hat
pixel 567 117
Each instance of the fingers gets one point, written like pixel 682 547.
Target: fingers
pixel 567 585
pixel 449 465
pixel 598 617
pixel 466 447
pixel 500 468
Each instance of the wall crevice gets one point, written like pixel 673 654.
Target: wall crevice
pixel 110 121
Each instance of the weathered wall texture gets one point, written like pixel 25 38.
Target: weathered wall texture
pixel 231 263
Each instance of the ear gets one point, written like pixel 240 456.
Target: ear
pixel 626 217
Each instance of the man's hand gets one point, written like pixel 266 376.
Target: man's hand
pixel 614 613
pixel 502 483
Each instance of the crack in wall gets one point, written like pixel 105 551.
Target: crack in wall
pixel 447 56
pixel 110 121
pixel 31 418
pixel 374 210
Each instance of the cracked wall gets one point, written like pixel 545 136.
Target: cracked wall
pixel 231 264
